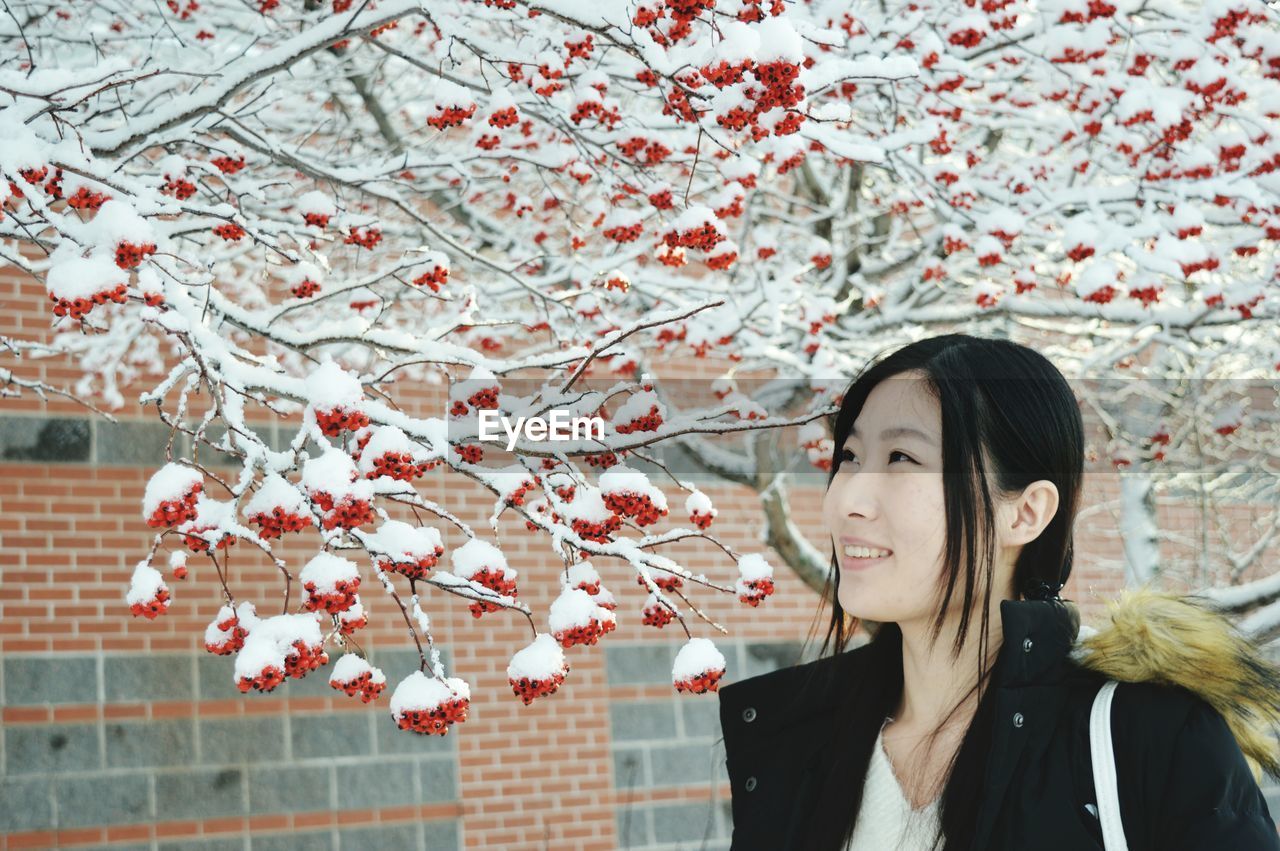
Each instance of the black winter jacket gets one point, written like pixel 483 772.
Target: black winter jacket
pixel 1185 784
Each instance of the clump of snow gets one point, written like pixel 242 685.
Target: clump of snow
pixel 352 666
pixel 475 555
pixel 116 222
pixel 330 387
pixel 145 584
pixel 621 479
pixel 402 541
pixel 276 492
pixel 541 659
pixel 418 692
pixel 697 656
pixel 171 483
pixel 779 42
pixel 317 203
pixel 587 506
pixel 699 503
pixel 326 570
pixel 574 608
pixel 271 640
pixel 580 573
pixel 448 94
pixel 390 439
pixel 74 277
pixel 638 405
pixel 752 567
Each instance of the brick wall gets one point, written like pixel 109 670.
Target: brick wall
pixel 124 733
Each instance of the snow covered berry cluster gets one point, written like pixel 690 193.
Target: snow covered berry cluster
pixel 430 705
pixel 481 562
pixel 356 677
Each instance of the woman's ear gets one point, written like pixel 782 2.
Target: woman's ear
pixel 1029 513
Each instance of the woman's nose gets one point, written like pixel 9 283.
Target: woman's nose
pixel 858 495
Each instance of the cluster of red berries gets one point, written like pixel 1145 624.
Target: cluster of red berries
pixel 451 116
pixel 757 590
pixel 362 685
pixel 598 532
pixel 666 582
pixel 662 199
pixel 234 638
pixel 334 422
pixel 317 220
pixel 230 231
pixel 648 422
pixel 435 721
pixel 339 599
pixel 77 308
pixel 398 465
pixel 603 460
pixel 305 288
pixel 722 260
pixel 84 199
pixel 1102 295
pixel 300 661
pixel 129 255
pixel 494 581
pixel 352 619
pixel 34 176
pixel 529 690
pixel 347 514
pixel 227 165
pixel 157 605
pixel 586 634
pixel 701 519
pixel 472 453
pixel 656 614
pixel 642 150
pixel 624 233
pixel 516 497
pixel 702 683
pixel 485 398
pixel 412 569
pixel 588 108
pixel 365 238
pixel 197 544
pixel 279 521
pixel 1208 264
pixel 725 73
pixel 566 492
pixel 171 512
pixel 503 118
pixel 639 507
pixel 1080 252
pixel 704 237
pixel 435 278
pixel 178 187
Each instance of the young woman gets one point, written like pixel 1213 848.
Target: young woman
pixel 963 724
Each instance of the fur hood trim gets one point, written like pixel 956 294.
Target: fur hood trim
pixel 1173 639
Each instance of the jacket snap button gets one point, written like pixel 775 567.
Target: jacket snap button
pixel 749 714
pixel 750 784
pixel 1017 719
pixel 1026 645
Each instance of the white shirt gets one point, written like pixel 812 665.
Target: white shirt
pixel 886 821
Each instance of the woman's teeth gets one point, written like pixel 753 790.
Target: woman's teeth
pixel 865 552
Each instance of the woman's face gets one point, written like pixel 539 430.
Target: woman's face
pixel 888 493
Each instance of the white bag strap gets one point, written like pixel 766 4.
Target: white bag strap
pixel 1104 770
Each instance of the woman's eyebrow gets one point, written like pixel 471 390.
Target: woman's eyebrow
pixel 899 431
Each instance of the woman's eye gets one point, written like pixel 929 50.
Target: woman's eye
pixel 847 455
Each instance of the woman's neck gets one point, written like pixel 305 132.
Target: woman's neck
pixel 933 682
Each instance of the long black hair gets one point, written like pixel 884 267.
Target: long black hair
pixel 1009 418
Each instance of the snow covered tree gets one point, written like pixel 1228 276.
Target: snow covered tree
pixel 305 207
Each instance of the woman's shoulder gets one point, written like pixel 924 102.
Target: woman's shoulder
pixel 789 695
